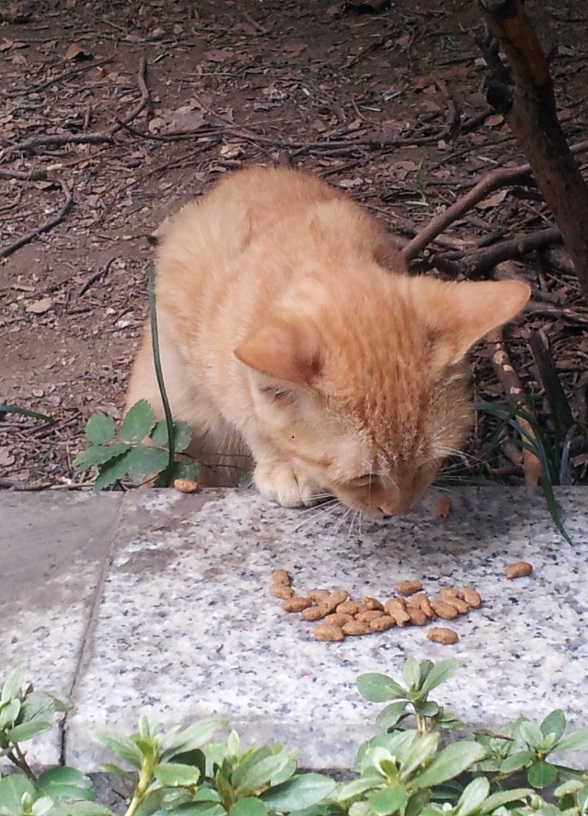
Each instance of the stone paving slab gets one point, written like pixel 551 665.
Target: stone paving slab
pixel 53 550
pixel 185 624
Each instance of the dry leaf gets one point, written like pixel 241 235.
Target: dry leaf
pixel 39 306
pixel 493 200
pixel 76 53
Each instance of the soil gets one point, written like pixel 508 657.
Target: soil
pixel 133 107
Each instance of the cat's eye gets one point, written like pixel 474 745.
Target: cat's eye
pixel 366 480
pixel 274 392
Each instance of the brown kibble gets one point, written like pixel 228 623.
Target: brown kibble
pixel 442 634
pixel 328 632
pixel 281 576
pixel 382 623
pixel 186 485
pixel 355 627
pixel 318 595
pixel 373 603
pixel 396 608
pixel 447 593
pixel 336 597
pixel 296 604
pixel 281 591
pixel 313 613
pixel 459 604
pixel 338 618
pixel 422 601
pixel 443 609
pixel 349 608
pixel 408 587
pixel 520 569
pixel 443 506
pixel 368 615
pixel 416 615
pixel 472 597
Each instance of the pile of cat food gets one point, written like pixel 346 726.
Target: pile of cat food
pixel 340 616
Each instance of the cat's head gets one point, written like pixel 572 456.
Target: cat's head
pixel 368 396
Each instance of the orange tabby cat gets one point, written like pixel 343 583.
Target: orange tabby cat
pixel 290 330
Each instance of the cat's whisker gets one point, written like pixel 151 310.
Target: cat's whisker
pixel 317 513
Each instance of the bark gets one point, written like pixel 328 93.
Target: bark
pixel 525 96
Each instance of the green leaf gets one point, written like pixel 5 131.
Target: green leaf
pixel 357 787
pixel 440 673
pixel 42 805
pixel 28 730
pixel 501 798
pixel 453 760
pixel 174 774
pixel 159 434
pixel 182 435
pixel 388 800
pixel 99 454
pixel 9 712
pixel 151 803
pixel 577 740
pixel 554 723
pixel 258 773
pixel 119 744
pixel 99 429
pixel 62 782
pixel 148 725
pixel 81 809
pixel 390 715
pixel 112 471
pixel 116 770
pixel 302 791
pixel 195 736
pixel 248 806
pixel 13 684
pixel 473 796
pixel 143 461
pixel 411 672
pixel 514 762
pixel 138 422
pixel 200 809
pixel 378 688
pixel 12 789
pixel 541 774
pixel 531 733
pixel 422 749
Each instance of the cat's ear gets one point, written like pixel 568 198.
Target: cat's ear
pixel 284 349
pixel 462 313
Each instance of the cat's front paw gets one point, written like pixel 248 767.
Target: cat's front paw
pixel 283 483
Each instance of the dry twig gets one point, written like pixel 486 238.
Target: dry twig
pixel 52 222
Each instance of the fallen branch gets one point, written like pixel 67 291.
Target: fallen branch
pixel 487 184
pixel 52 222
pixel 96 276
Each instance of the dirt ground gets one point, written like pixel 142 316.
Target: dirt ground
pixel 112 114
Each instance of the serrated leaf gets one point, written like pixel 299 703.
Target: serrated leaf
pixel 119 744
pixel 248 806
pixel 515 761
pixel 99 454
pixel 453 760
pixel 174 774
pixel 28 730
pixel 138 422
pixel 13 684
pixel 99 429
pixel 440 673
pixel 112 471
pixel 388 800
pixel 577 740
pixel 159 434
pixel 541 774
pixel 302 791
pixel 62 783
pixel 473 796
pixel 143 461
pixel 195 736
pixel 379 688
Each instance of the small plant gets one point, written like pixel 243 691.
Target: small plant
pixel 402 771
pixel 129 454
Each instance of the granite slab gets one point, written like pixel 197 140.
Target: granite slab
pixel 53 549
pixel 185 623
